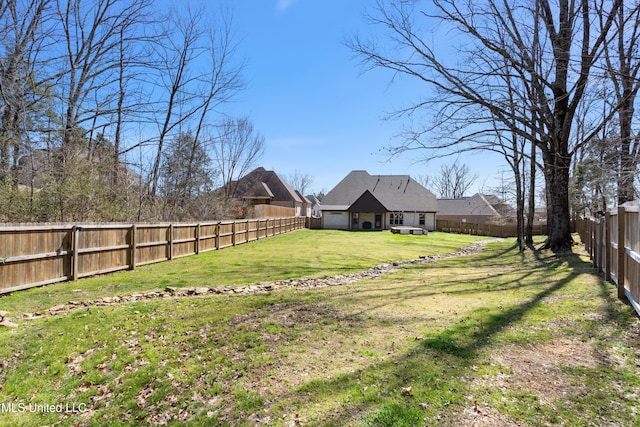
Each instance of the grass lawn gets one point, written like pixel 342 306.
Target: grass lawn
pixel 497 339
pixel 310 253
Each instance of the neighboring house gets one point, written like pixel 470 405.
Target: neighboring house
pixel 316 211
pixel 477 209
pixel 263 187
pixel 540 216
pixel 306 205
pixel 376 202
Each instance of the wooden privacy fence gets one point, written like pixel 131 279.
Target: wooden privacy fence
pixel 39 255
pixel 269 211
pixel 492 230
pixel 613 242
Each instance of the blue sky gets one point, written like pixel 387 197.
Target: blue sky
pixel 307 94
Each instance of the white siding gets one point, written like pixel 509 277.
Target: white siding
pixel 412 219
pixel 430 221
pixel 335 220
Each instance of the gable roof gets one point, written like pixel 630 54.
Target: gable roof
pixel 394 192
pixel 367 203
pixel 478 204
pixel 259 190
pixel 303 197
pixel 262 183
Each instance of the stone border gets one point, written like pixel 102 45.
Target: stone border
pixel 259 288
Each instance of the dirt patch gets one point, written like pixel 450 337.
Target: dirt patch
pixel 483 417
pixel 536 369
pixel 539 369
pixel 285 314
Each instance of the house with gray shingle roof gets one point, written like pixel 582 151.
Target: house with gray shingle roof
pixel 477 209
pixel 265 187
pixel 378 202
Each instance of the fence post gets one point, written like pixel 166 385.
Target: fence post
pixel 132 243
pixel 197 238
pixel 594 242
pixel 75 238
pixel 621 252
pixel 233 233
pixel 218 235
pixel 587 237
pixel 607 246
pixel 597 237
pixel 170 241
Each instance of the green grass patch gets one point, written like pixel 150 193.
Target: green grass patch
pixel 530 339
pixel 304 253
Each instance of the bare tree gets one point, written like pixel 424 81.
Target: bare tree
pixel 223 82
pixel 92 36
pixel 454 180
pixel 427 181
pixel 471 96
pixel 132 63
pixel 176 54
pixel 83 82
pixel 235 151
pixel 192 92
pixel 20 30
pixel 300 181
pixel 623 66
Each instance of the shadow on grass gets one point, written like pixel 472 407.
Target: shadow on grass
pixel 437 364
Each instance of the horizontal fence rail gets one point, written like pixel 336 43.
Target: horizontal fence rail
pixel 491 230
pixel 613 243
pixel 39 255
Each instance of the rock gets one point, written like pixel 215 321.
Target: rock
pixel 261 287
pixel 57 309
pixel 8 323
pixel 406 391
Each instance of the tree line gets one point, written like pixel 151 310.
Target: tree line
pixel 551 86
pixel 113 110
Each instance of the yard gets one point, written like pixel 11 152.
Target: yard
pixel 496 338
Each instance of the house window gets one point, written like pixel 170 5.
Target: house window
pixel 421 219
pixel 354 218
pixel 397 219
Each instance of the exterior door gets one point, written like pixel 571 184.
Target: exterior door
pixel 378 222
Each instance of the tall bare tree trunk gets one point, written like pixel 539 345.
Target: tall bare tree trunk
pixel 532 196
